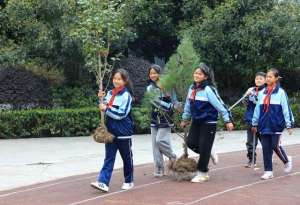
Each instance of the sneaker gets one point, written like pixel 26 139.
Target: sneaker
pixel 267 175
pixel 159 173
pixel 101 186
pixel 214 158
pixel 288 165
pixel 127 186
pixel 250 164
pixel 200 177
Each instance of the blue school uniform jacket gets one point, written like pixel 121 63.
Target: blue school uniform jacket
pixel 118 118
pixel 278 116
pixel 252 100
pixel 205 107
pixel 161 115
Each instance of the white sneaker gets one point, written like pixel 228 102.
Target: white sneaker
pixel 214 158
pixel 158 173
pixel 200 177
pixel 101 186
pixel 127 186
pixel 288 165
pixel 267 175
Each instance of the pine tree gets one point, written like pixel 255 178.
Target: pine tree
pixel 180 67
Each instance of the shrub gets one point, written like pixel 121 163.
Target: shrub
pixel 82 121
pixel 48 123
pixel 74 97
pixel 296 111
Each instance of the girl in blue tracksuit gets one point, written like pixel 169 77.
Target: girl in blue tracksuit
pixel 271 115
pixel 202 106
pixel 251 100
pixel 117 108
pixel 161 121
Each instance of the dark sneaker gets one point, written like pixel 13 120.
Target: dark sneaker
pixel 250 164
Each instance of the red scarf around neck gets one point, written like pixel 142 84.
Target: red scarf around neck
pixel 114 92
pixel 256 90
pixel 267 99
pixel 197 87
pixel 194 92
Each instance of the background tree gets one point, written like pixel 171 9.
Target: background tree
pixel 157 24
pixel 34 34
pixel 239 37
pixel 154 22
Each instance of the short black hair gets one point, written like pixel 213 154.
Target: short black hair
pixel 262 74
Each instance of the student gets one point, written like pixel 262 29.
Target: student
pixel 117 108
pixel 260 80
pixel 161 120
pixel 271 115
pixel 202 106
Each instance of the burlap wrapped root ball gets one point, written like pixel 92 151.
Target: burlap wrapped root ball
pixel 183 169
pixel 101 135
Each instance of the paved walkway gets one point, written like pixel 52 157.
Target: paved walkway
pixel 30 161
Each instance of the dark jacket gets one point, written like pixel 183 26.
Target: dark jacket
pixel 162 109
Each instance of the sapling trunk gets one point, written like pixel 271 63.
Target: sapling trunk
pixel 185 148
pixel 101 134
pixel 100 80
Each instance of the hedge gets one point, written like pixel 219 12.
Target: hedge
pixel 42 123
pixel 79 122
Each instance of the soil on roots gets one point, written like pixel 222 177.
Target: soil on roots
pixel 183 169
pixel 101 135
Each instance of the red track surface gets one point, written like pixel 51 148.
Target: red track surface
pixel 230 184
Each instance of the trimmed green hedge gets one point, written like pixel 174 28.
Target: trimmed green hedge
pixel 56 122
pixel 81 122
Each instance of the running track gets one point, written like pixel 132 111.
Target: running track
pixel 230 184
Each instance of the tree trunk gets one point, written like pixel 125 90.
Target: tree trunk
pixel 185 148
pixel 101 89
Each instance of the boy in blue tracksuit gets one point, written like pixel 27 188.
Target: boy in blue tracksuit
pixel 117 108
pixel 251 101
pixel 202 107
pixel 161 120
pixel 271 115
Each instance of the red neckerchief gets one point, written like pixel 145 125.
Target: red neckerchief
pixel 114 92
pixel 195 89
pixel 256 90
pixel 267 99
pixel 194 92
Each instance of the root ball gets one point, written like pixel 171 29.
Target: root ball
pixel 101 135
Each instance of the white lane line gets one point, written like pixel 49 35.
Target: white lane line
pixel 238 188
pixel 74 180
pixel 62 182
pixel 90 177
pixel 43 186
pixel 161 181
pixel 142 186
pixel 118 192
